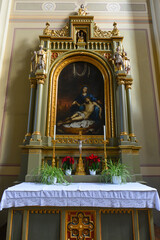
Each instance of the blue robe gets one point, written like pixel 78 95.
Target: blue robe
pixel 81 99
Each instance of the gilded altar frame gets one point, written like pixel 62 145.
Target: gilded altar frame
pixel 102 65
pixel 102 49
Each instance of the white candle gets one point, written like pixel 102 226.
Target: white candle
pixel 54 132
pixel 104 128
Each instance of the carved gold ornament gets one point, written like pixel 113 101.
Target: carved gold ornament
pixel 47 31
pixel 115 31
pixel 102 34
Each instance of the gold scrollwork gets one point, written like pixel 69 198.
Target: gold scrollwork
pixel 72 140
pixel 101 34
pixel 63 32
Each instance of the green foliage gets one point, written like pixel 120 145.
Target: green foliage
pixel 48 173
pixel 115 169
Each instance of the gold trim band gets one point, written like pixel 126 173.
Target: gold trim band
pixel 123 133
pixel 36 133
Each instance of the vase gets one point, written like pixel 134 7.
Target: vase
pixel 116 179
pixel 92 172
pixel 52 181
pixel 68 172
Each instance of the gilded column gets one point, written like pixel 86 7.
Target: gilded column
pixel 40 78
pixel 129 109
pixel 122 106
pixel 31 108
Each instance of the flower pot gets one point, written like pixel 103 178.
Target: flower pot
pixel 68 172
pixel 116 179
pixel 92 172
pixel 53 181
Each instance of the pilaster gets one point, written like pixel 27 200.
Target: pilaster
pixel 128 84
pixel 33 84
pixel 40 78
pixel 122 104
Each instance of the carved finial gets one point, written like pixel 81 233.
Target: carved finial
pixel 47 31
pixel 115 31
pixel 82 11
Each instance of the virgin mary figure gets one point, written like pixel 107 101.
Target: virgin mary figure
pixel 77 104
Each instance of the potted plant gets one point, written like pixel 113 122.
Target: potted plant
pixel 51 175
pixel 93 162
pixel 116 173
pixel 67 164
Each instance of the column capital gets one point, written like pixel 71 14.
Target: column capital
pixel 128 83
pixel 121 78
pixel 40 77
pixel 33 82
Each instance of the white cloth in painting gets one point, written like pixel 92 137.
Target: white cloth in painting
pixel 79 124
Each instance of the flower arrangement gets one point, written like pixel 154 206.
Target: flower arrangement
pixel 67 162
pixel 47 175
pixel 93 162
pixel 116 169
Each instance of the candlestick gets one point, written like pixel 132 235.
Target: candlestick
pixel 54 155
pixel 104 129
pixel 54 132
pixel 105 155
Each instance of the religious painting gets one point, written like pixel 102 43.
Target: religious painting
pixel 80 103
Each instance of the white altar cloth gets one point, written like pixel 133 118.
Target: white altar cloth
pixel 129 195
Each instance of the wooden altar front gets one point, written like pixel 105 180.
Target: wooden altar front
pixel 92 211
pixel 79 223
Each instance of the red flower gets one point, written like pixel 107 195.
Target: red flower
pixel 67 162
pixel 93 161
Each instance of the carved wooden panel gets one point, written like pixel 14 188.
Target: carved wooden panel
pixel 80 225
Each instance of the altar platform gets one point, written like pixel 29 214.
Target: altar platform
pixel 80 211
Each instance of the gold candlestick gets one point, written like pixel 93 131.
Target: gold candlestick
pixel 54 153
pixel 105 154
pixel 80 166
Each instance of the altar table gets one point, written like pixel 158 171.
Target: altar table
pixel 128 195
pixel 92 211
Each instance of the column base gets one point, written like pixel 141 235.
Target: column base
pixel 124 137
pixel 132 137
pixel 27 139
pixel 36 139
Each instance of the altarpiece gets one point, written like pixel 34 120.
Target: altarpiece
pixel 77 62
pixel 80 92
